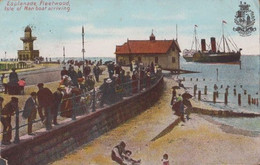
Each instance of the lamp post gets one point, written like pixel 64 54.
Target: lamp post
pixel 83 50
pixel 64 55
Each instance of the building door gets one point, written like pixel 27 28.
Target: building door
pixel 156 60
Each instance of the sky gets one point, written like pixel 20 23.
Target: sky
pixel 108 23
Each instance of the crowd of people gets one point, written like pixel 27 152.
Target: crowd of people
pixel 73 83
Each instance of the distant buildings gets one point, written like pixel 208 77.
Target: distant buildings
pixel 162 52
pixel 28 53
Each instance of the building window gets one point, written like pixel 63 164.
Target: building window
pixel 156 60
pixel 173 60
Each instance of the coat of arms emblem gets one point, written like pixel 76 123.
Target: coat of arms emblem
pixel 245 20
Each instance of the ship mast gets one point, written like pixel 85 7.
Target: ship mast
pixel 223 35
pixel 195 32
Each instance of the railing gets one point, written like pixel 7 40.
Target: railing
pixel 87 102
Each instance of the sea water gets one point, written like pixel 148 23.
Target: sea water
pixel 247 78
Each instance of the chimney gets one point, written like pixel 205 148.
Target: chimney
pixel 203 45
pixel 152 37
pixel 213 44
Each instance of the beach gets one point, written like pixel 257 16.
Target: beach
pixel 200 140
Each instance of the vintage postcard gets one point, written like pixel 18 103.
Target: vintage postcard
pixel 129 82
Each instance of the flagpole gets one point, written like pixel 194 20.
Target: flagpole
pixel 83 50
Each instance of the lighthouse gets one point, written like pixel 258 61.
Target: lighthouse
pixel 28 54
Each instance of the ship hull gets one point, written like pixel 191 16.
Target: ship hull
pixel 220 57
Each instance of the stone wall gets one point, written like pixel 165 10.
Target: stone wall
pixel 52 145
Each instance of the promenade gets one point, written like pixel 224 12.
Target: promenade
pixel 198 140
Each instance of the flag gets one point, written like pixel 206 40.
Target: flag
pixel 196 25
pixel 224 21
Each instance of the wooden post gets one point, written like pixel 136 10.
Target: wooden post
pixel 194 90
pixel 227 91
pixel 249 99
pixel 239 99
pixel 252 101
pixel 205 90
pixel 214 97
pixel 226 98
pixel 235 91
pixel 244 92
pixel 199 95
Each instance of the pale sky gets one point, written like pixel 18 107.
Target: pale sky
pixel 110 22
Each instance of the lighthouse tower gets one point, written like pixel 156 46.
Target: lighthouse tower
pixel 28 53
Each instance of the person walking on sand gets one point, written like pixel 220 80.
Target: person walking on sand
pixel 30 111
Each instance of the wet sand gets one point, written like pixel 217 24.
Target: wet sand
pixel 198 141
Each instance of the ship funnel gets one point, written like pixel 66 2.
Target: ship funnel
pixel 203 45
pixel 213 44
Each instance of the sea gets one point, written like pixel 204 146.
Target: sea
pixel 228 75
pixel 244 77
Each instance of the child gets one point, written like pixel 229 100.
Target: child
pixel 165 159
pixel 128 160
pixel 21 85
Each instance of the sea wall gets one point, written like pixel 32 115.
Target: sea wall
pixel 54 144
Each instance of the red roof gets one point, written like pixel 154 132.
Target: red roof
pixel 147 47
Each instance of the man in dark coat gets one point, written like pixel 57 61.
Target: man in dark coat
pixel 45 99
pixel 6 114
pixel 86 71
pixel 57 97
pixel 63 72
pixel 96 71
pixel 74 76
pixel 13 83
pixel 30 111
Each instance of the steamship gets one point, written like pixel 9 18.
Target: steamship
pixel 212 55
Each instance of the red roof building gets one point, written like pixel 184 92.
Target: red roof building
pixel 162 52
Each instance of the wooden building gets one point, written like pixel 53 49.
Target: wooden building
pixel 162 52
pixel 28 54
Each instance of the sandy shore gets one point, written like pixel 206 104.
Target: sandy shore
pixel 198 141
